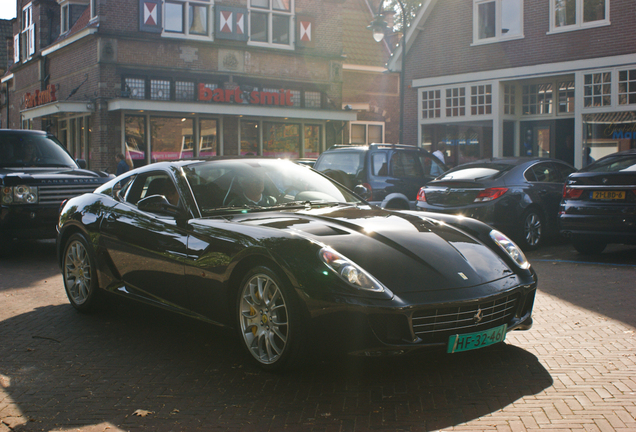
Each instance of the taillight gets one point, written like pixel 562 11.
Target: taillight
pixel 421 195
pixel 571 193
pixel 490 194
pixel 370 190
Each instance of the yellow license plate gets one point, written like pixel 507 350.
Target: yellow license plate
pixel 608 195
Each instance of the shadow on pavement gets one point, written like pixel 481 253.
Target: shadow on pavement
pixel 17 269
pixel 63 369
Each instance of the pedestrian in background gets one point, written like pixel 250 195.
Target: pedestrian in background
pixel 122 166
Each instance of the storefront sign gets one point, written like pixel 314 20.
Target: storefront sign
pixel 279 98
pixel 40 97
pixel 621 131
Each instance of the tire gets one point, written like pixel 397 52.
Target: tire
pixel 271 330
pixel 532 229
pixel 589 248
pixel 397 205
pixel 79 273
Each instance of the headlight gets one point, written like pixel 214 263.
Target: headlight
pixel 349 271
pixel 19 194
pixel 509 247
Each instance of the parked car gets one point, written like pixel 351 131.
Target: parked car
pixel 36 175
pixel 599 204
pixel 392 174
pixel 305 161
pixel 313 264
pixel 519 196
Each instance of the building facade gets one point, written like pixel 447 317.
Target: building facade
pixel 171 79
pixel 554 78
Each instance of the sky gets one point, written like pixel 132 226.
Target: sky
pixel 7 9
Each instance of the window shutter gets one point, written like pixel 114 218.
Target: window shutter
pixel 305 31
pixel 16 48
pixel 31 39
pixel 150 16
pixel 231 23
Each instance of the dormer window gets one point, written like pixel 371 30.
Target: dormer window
pixel 70 11
pixel 187 18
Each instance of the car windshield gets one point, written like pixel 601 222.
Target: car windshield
pixel 614 163
pixel 475 172
pixel 19 150
pixel 349 162
pixel 261 183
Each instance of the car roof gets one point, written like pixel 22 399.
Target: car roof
pixel 361 147
pixel 23 131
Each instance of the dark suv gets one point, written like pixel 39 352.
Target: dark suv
pixel 391 173
pixel 36 175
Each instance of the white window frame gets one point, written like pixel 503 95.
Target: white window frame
pixel 500 36
pixel 366 124
pixel 270 14
pixel 579 24
pixel 209 4
pixel 27 32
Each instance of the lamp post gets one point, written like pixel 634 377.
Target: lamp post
pixel 378 26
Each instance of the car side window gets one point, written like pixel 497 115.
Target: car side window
pixel 379 164
pixel 546 173
pixel 430 166
pixel 565 170
pixel 405 164
pixel 152 184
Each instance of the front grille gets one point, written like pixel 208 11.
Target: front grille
pixel 435 325
pixel 58 193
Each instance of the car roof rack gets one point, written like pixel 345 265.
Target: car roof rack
pixel 374 146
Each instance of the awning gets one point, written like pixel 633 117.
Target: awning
pixel 57 108
pixel 610 118
pixel 229 109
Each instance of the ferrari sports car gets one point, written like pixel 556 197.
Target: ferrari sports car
pixel 290 259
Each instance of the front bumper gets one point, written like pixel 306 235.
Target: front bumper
pixel 29 221
pixel 416 324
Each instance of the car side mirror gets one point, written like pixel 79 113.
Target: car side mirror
pixel 361 191
pixel 81 163
pixel 159 204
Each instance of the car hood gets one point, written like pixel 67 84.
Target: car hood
pixel 405 252
pixel 59 174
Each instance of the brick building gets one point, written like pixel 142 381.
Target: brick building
pixel 522 77
pixel 176 78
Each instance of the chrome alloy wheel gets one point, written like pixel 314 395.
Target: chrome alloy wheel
pixel 77 272
pixel 532 229
pixel 264 318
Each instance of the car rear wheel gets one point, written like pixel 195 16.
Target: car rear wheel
pixel 589 247
pixel 79 273
pixel 532 229
pixel 269 320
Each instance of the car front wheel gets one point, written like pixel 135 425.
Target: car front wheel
pixel 79 273
pixel 269 320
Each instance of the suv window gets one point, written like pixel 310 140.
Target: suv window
pixel 19 150
pixel 348 162
pixel 379 164
pixel 405 164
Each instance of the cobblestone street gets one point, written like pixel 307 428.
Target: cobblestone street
pixel 134 368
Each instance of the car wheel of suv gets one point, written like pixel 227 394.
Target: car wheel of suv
pixel 79 273
pixel 589 247
pixel 269 320
pixel 397 205
pixel 532 229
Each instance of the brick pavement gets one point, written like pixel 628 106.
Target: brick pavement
pixel 133 369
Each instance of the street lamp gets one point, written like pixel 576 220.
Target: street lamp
pixel 378 26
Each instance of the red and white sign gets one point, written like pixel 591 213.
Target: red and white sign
pixel 40 97
pixel 280 98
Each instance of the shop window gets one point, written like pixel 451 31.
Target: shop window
pixel 135 139
pixel 281 140
pixel 578 14
pixel 184 91
pixel 312 99
pixel 456 102
pixel 627 87
pixel 497 20
pixel 271 22
pixel 159 89
pixel 566 97
pixel 249 138
pixel 187 18
pixel 171 138
pixel 510 99
pixel 481 99
pixel 208 138
pixel 135 88
pixel 537 99
pixel 431 104
pixel 295 97
pixel 312 141
pixel 597 89
pixel 459 143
